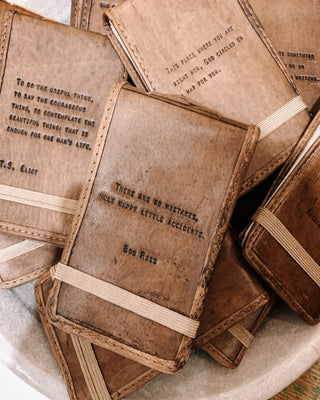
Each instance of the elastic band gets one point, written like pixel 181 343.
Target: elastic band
pixel 18 249
pixel 242 334
pixel 127 300
pixel 282 115
pixel 280 233
pixel 90 369
pixel 36 199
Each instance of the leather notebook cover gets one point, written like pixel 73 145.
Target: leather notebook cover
pixel 282 243
pixel 294 29
pixel 89 371
pixel 234 292
pixel 54 81
pixel 229 347
pixel 88 14
pixel 22 261
pixel 217 54
pixel 154 211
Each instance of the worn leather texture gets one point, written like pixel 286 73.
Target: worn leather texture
pixel 122 376
pixel 89 14
pixel 30 266
pixel 296 205
pixel 52 97
pixel 183 166
pixel 226 349
pixel 234 292
pixel 27 267
pixel 293 27
pixel 229 65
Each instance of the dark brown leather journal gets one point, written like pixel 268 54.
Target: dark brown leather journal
pixel 294 29
pixel 217 54
pixel 154 210
pixel 89 14
pixel 89 371
pixel 54 81
pixel 234 292
pixel 282 243
pixel 229 348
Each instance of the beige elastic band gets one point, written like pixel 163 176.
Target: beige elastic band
pixel 240 333
pixel 127 300
pixel 37 199
pixel 282 115
pixel 281 234
pixel 90 369
pixel 18 249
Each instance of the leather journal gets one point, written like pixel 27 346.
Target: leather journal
pixel 89 14
pixel 294 29
pixel 89 371
pixel 22 261
pixel 282 243
pixel 235 306
pixel 154 210
pixel 229 348
pixel 217 54
pixel 52 95
pixel 234 293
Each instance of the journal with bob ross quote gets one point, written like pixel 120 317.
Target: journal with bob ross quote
pixel 52 96
pixel 216 53
pixel 154 211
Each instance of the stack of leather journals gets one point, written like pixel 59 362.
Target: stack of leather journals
pixel 126 142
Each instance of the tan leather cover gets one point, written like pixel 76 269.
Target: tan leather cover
pixel 234 292
pixel 30 266
pixel 122 376
pixel 216 53
pixel 296 205
pixel 173 154
pixel 294 29
pixel 52 96
pixel 226 349
pixel 89 14
pixel 26 267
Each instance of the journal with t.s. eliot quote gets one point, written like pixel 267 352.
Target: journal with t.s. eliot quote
pixel 216 53
pixel 52 96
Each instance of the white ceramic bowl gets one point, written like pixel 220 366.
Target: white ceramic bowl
pixel 284 348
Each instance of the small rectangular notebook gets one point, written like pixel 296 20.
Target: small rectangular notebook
pixel 230 346
pixel 234 293
pixel 216 53
pixel 294 29
pixel 54 81
pixel 162 186
pixel 282 243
